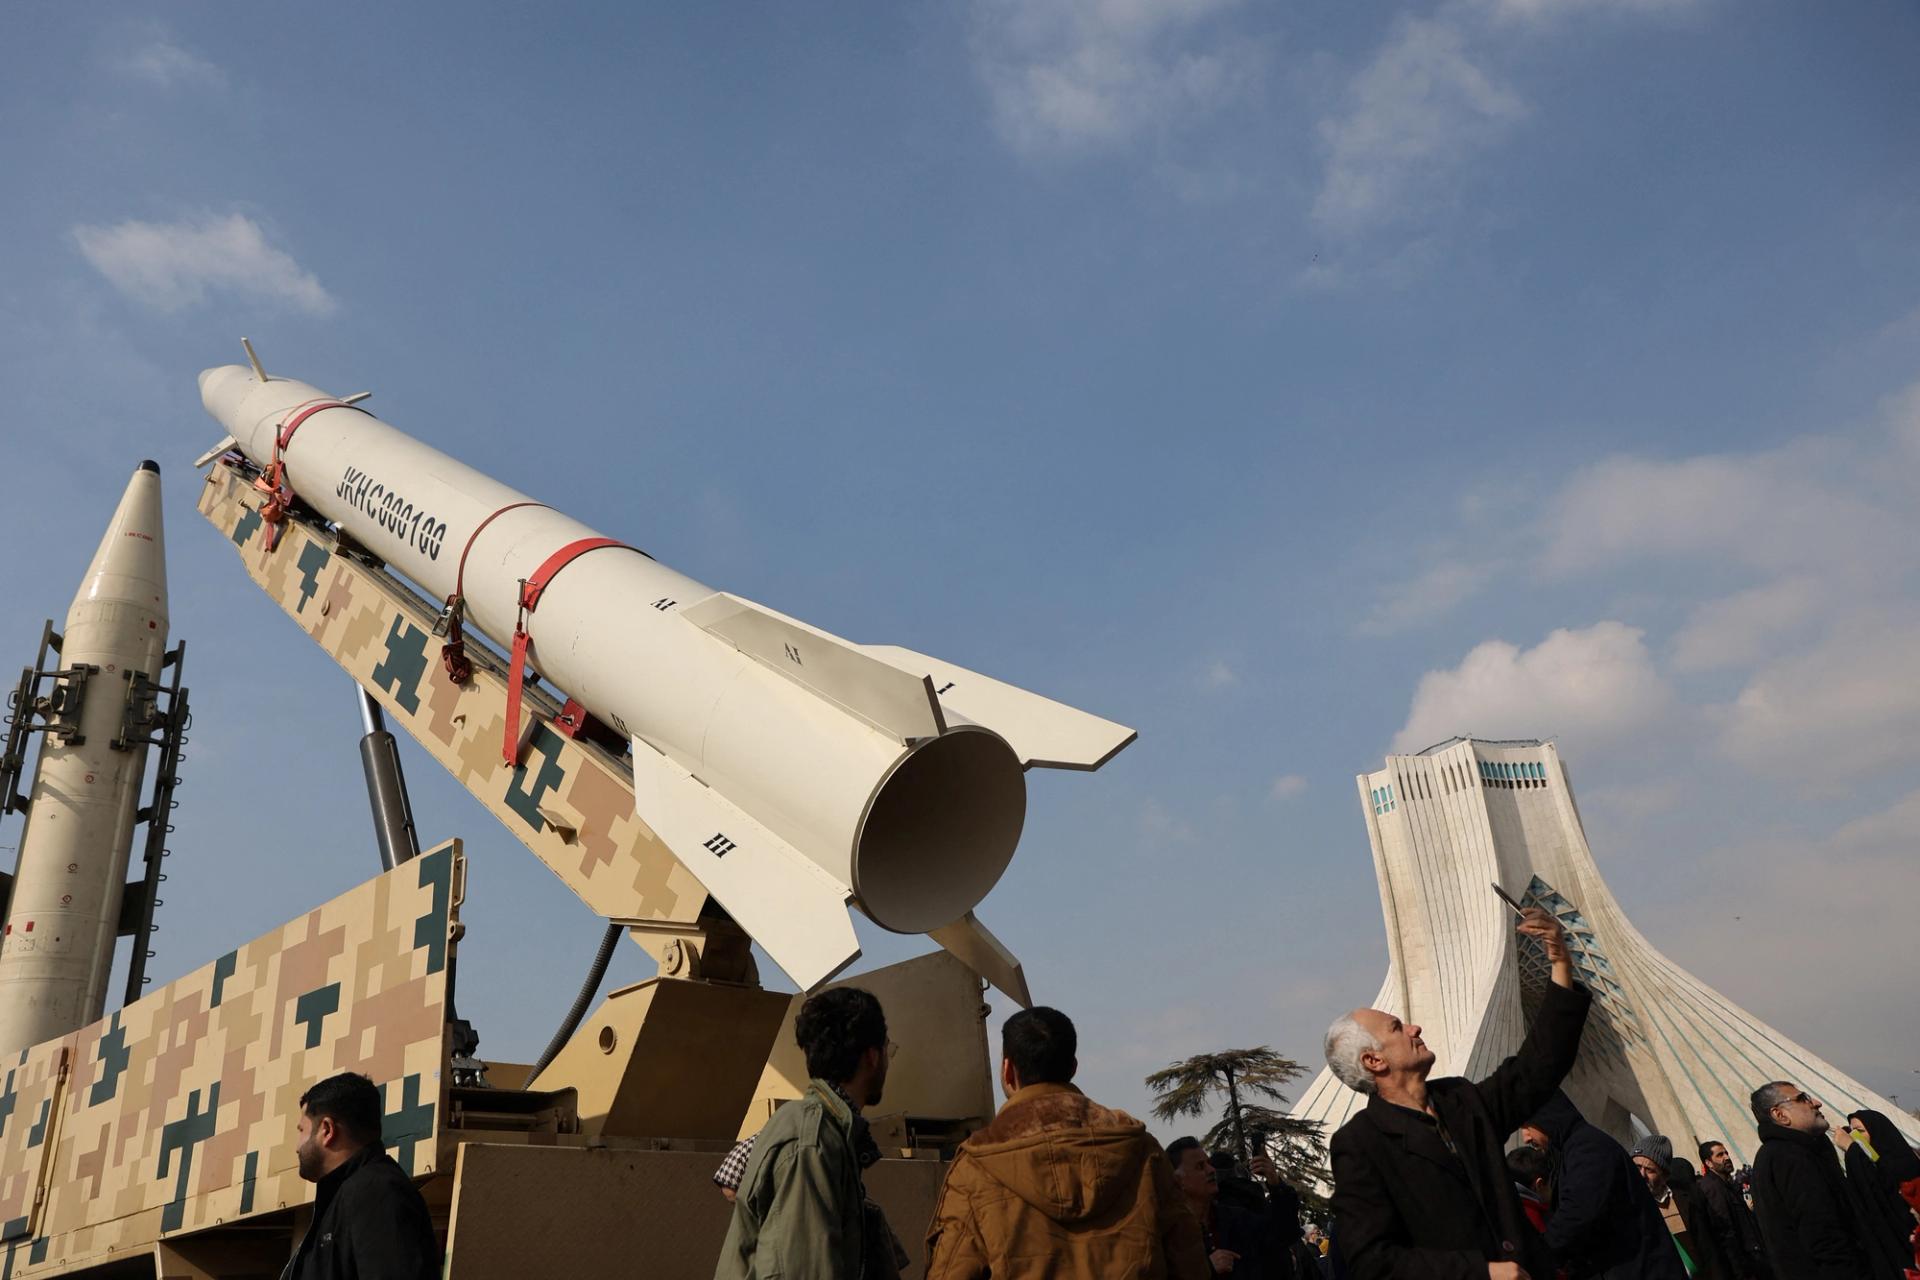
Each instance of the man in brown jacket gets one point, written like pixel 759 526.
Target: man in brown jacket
pixel 1059 1185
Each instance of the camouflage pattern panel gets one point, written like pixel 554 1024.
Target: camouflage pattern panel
pixel 569 802
pixel 30 1112
pixel 178 1112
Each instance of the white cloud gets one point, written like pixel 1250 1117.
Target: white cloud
pixel 178 264
pixel 1287 786
pixel 166 65
pixel 1583 686
pixel 1067 76
pixel 1902 413
pixel 1161 827
pixel 1219 675
pixel 1541 10
pixel 1781 921
pixel 1740 629
pixel 1418 109
pixel 1433 594
pixel 1847 706
pixel 1790 509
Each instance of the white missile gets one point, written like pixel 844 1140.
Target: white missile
pixel 64 914
pixel 791 771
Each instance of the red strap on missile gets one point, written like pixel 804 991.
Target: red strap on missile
pixel 531 589
pixel 273 482
pixel 453 654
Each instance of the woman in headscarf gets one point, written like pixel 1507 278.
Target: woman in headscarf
pixel 1875 1178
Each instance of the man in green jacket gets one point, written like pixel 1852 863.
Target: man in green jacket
pixel 801 1211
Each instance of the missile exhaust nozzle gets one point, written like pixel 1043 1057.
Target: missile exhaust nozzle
pixel 940 830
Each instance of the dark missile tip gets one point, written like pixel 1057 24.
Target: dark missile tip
pixel 148 464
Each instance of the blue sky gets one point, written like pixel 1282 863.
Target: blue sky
pixel 1288 381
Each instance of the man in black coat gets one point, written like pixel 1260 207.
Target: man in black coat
pixel 1730 1219
pixel 369 1220
pixel 1800 1194
pixel 1604 1222
pixel 1421 1189
pixel 1238 1241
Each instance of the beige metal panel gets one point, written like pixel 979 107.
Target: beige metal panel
pixel 943 1068
pixel 668 1058
pixel 178 1111
pixel 64 914
pixel 534 1211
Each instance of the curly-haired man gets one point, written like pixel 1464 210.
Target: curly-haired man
pixel 801 1210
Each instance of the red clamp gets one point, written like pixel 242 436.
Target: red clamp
pixel 273 482
pixel 453 654
pixel 531 589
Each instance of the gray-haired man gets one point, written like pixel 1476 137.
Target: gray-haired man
pixel 1420 1182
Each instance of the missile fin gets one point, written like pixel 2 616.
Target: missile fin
pixel 879 694
pixel 226 443
pixel 1045 734
pixel 974 945
pixel 789 906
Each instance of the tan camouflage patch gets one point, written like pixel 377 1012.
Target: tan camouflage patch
pixel 570 803
pixel 178 1111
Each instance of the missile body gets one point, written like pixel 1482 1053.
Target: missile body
pixel 63 918
pixel 789 769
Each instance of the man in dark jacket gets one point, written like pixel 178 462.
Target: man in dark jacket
pixel 1237 1242
pixel 1729 1218
pixel 1421 1189
pixel 369 1220
pixel 1800 1195
pixel 1604 1222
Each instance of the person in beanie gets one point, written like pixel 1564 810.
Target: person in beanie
pixel 1682 1212
pixel 801 1211
pixel 1058 1185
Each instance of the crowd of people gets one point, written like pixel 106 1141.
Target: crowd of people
pixel 1434 1179
pixel 1430 1182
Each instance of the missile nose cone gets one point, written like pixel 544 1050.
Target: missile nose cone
pixel 223 387
pixel 130 564
pixel 148 464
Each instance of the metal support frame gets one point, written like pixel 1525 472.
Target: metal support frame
pixel 399 842
pixel 164 727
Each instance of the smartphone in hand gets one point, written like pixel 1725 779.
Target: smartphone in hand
pixel 1508 899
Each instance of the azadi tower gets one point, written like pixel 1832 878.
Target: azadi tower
pixel 1663 1051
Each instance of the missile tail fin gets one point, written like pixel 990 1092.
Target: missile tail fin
pixel 879 694
pixel 974 945
pixel 1045 734
pixel 789 906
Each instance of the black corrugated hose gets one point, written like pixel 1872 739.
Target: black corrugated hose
pixel 596 974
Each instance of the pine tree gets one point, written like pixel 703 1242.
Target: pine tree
pixel 1247 1128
